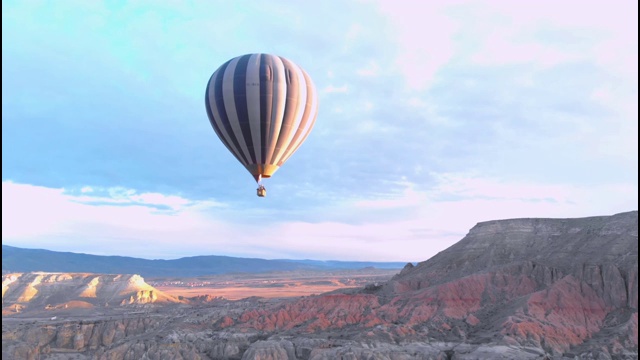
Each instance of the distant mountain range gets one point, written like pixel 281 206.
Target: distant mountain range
pixel 16 259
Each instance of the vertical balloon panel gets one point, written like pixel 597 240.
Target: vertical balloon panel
pixel 262 107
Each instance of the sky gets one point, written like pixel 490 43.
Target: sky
pixel 433 116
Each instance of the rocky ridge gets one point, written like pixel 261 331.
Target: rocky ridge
pixel 27 291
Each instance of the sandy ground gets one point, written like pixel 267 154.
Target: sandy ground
pixel 235 293
pixel 271 285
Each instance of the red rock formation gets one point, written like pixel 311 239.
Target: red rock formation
pixel 546 283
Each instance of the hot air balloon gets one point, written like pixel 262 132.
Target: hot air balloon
pixel 262 107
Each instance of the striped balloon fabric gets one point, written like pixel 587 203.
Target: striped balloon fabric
pixel 262 107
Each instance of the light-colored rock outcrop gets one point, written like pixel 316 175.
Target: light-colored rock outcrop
pixel 53 290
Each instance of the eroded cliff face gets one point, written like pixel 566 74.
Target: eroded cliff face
pixel 511 289
pixel 73 336
pixel 549 284
pixel 570 246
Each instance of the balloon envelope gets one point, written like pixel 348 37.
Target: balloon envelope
pixel 262 107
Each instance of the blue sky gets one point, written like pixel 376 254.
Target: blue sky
pixel 433 116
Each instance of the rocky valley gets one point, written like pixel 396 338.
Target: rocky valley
pixel 510 289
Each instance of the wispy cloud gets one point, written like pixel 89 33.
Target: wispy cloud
pixel 424 36
pixel 129 197
pixel 41 211
pixel 412 224
pixel 371 69
pixel 331 89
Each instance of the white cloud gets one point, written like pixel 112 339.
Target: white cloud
pixel 332 89
pixel 353 35
pixel 371 69
pixel 436 218
pixel 424 35
pixel 618 132
pixel 30 211
pixel 490 198
pixel 125 196
pixel 434 34
pixel 408 197
pixel 500 48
